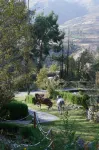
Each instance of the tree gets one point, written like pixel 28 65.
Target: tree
pixel 14 42
pixel 72 68
pixel 46 36
pixel 84 63
pixel 42 78
pixel 53 68
pixel 59 56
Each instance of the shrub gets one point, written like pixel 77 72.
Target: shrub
pixel 51 92
pixel 75 99
pixel 66 138
pixel 26 132
pixel 31 133
pixel 9 127
pixel 28 99
pixel 85 99
pixel 42 78
pixel 5 95
pixel 54 68
pixel 17 110
pixel 33 100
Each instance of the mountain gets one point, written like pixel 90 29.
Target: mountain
pixel 84 31
pixel 65 9
pixel 80 16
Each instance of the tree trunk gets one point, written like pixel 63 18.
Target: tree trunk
pixel 39 66
pixel 68 56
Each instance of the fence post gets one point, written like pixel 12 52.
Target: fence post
pixel 34 119
pixel 86 146
pixel 97 146
pixel 52 140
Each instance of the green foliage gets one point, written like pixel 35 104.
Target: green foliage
pixel 33 100
pixel 67 138
pixel 75 98
pixel 53 68
pixel 5 96
pixel 84 102
pixel 29 99
pixel 84 63
pixel 42 78
pixel 51 92
pixel 9 127
pixel 2 146
pixel 17 110
pixel 26 132
pixel 14 45
pixel 45 32
pixel 31 133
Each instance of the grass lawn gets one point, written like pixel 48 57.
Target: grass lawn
pixel 77 119
pixel 78 123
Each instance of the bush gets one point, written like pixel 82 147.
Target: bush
pixel 9 127
pixel 75 99
pixel 28 99
pixel 5 95
pixel 31 133
pixel 51 92
pixel 34 100
pixel 85 99
pixel 17 110
pixel 42 78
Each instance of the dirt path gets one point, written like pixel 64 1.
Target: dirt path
pixel 43 117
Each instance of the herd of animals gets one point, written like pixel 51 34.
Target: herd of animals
pixel 40 99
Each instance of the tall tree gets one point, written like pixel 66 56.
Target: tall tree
pixel 84 64
pixel 45 33
pixel 13 41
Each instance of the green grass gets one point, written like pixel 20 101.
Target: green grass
pixel 83 128
pixel 86 129
pixel 21 98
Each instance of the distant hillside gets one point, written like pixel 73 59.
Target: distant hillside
pixel 84 31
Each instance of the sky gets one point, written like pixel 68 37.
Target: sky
pixel 33 2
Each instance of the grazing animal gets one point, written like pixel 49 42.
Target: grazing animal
pixel 41 100
pixel 60 104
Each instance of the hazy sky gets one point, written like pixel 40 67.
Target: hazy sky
pixel 33 2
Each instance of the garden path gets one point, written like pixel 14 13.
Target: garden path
pixel 43 117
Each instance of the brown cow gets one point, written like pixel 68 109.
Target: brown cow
pixel 41 100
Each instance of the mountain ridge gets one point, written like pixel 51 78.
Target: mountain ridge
pixel 84 30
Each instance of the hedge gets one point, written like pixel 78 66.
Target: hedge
pixel 75 98
pixel 17 110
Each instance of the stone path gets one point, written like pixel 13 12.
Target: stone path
pixel 43 117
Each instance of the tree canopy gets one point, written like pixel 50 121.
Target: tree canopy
pixel 46 36
pixel 13 42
